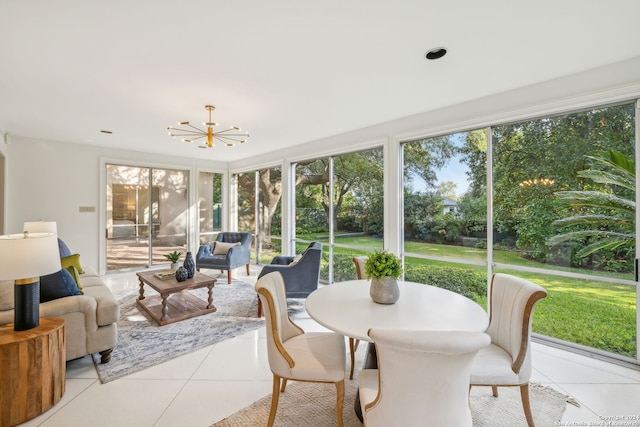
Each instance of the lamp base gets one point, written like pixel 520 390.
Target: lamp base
pixel 27 306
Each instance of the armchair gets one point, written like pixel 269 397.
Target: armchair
pixel 301 276
pixel 229 251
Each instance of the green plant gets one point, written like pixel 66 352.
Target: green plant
pixel 173 256
pixel 466 282
pixel 603 217
pixel 383 264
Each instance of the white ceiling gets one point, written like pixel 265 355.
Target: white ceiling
pixel 289 72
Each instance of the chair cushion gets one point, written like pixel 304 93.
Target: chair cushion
pixel 58 285
pixel 222 248
pixel 317 356
pixel 492 365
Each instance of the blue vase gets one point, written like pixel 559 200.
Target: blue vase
pixel 189 264
pixel 182 274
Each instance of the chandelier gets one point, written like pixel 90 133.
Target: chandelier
pixel 228 137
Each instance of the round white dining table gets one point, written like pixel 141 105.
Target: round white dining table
pixel 347 308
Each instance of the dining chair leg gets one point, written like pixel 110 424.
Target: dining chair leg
pixel 494 389
pixel 274 400
pixel 339 401
pixel 248 273
pixel 284 385
pixel 526 405
pixel 229 277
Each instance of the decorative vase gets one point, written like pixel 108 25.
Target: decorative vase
pixel 182 274
pixel 189 264
pixel 384 290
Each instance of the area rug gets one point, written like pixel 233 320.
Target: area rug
pixel 142 343
pixel 313 405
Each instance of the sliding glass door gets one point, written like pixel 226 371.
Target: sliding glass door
pixel 146 215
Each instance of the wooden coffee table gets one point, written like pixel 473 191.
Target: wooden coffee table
pixel 175 303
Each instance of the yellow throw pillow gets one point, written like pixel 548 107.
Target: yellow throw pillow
pixel 76 275
pixel 72 260
pixel 221 248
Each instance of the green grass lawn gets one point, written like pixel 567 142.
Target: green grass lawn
pixel 588 312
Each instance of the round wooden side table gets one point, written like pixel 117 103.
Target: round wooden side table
pixel 33 368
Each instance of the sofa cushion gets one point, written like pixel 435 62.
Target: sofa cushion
pixel 221 248
pixel 72 260
pixel 57 285
pixel 6 295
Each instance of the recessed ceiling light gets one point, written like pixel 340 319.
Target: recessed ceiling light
pixel 436 53
pixel 106 131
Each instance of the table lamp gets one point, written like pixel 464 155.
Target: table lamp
pixel 24 258
pixel 41 227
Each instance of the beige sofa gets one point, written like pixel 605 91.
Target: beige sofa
pixel 90 319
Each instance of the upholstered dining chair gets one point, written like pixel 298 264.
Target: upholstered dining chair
pixel 354 343
pixel 507 360
pixel 422 378
pixel 294 354
pixel 230 251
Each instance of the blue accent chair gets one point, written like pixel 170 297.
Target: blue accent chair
pixel 235 257
pixel 300 278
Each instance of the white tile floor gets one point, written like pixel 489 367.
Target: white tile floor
pixel 205 386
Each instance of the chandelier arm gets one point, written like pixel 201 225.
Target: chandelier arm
pixel 224 138
pixel 188 133
pixel 198 129
pixel 232 130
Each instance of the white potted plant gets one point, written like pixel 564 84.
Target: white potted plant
pixel 384 269
pixel 174 257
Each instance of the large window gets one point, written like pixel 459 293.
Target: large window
pixel 339 202
pixel 445 198
pixel 259 195
pixel 562 215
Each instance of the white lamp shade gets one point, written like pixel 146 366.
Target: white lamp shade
pixel 26 257
pixel 41 227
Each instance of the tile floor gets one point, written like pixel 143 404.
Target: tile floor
pixel 203 387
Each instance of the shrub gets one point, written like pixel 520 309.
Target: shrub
pixel 463 281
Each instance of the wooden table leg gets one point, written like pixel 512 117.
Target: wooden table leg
pixel 165 308
pixel 141 291
pixel 210 299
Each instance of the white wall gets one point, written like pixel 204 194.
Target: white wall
pixel 50 181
